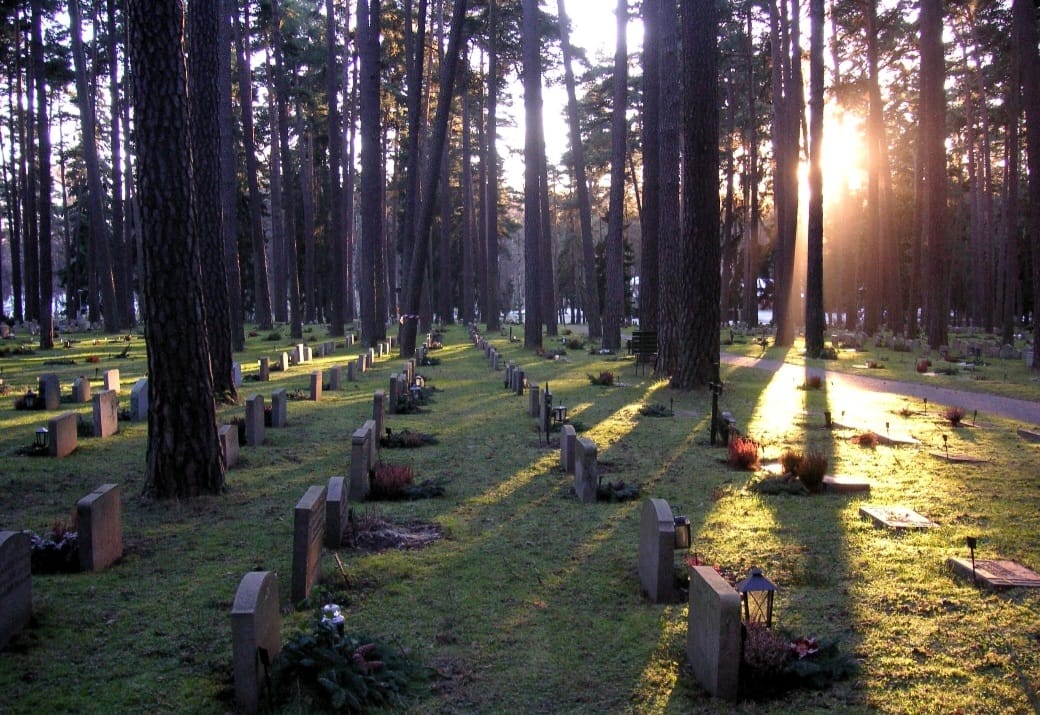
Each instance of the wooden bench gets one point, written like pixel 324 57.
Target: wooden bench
pixel 644 346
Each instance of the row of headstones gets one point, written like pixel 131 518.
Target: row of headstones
pixel 63 429
pixel 50 388
pixel 401 383
pixel 100 536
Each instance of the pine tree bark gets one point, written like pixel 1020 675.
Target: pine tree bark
pixel 492 311
pixel 614 294
pixel 371 163
pixel 670 247
pixel 532 81
pixel 337 239
pixel 44 181
pixel 1024 14
pixel 229 179
pixel 814 308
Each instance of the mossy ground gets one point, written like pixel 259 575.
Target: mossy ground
pixel 531 602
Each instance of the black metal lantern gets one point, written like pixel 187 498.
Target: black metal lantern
pixel 682 532
pixel 41 438
pixel 756 598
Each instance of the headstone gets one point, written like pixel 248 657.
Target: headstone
pixel 279 408
pixel 106 413
pixel 378 413
pixel 494 361
pixel 5 330
pixel 229 445
pixel 361 359
pixel 373 442
pixel 351 368
pixel 320 351
pixel 15 582
pixel 360 456
pixel 585 477
pixel 335 378
pixel 308 354
pixel 713 633
pixel 896 517
pixel 316 385
pixel 112 380
pixel 81 389
pixel 995 574
pixel 50 391
pixel 337 508
pixel 265 369
pixel 236 374
pixel 657 551
pixel 507 379
pixel 382 348
pixel 283 361
pixel 139 400
pixel 396 388
pixel 62 434
pixel 255 420
pixel 99 515
pixel 308 535
pixel 1006 352
pixel 256 636
pixel 409 370
pixel 1027 356
pixel 568 445
pixel 298 354
pixel 371 356
pixel 534 400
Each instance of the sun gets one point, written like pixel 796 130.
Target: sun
pixel 843 155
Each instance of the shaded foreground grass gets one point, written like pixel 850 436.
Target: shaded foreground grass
pixel 532 601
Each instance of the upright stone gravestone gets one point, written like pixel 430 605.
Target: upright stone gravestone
pixel 534 399
pixel 316 385
pixel 371 356
pixel 373 442
pixel 361 363
pixel 99 515
pixel 585 477
pixel 360 456
pixel 279 408
pixel 139 401
pixel 308 534
pixel 568 445
pixel 265 369
pixel 228 435
pixel 62 434
pixel 308 353
pixel 283 362
pixel 255 420
pixel 396 382
pixel 81 389
pixel 335 378
pixel 299 354
pixel 256 635
pixel 236 374
pixel 379 413
pixel 337 511
pixel 50 391
pixel 15 583
pixel 112 380
pixel 351 369
pixel 106 413
pixel 713 633
pixel 657 551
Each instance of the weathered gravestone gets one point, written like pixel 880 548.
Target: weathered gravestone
pixel 657 551
pixel 62 436
pixel 236 374
pixel 256 636
pixel 265 369
pixel 299 354
pixel 568 445
pixel 337 511
pixel 15 583
pixel 396 388
pixel 360 461
pixel 585 478
pixel 378 413
pixel 279 408
pixel 283 362
pixel 713 633
pixel 308 534
pixel 371 356
pixel 106 413
pixel 534 399
pixel 139 400
pixel 99 515
pixel 316 385
pixel 50 391
pixel 351 369
pixel 361 360
pixel 255 420
pixel 81 389
pixel 112 380
pixel 373 442
pixel 308 353
pixel 335 378
pixel 228 435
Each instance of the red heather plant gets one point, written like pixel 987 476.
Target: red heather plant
pixel 810 470
pixel 923 364
pixel 790 460
pixel 866 439
pixel 390 480
pixel 954 415
pixel 743 453
pixel 605 378
pixel 812 382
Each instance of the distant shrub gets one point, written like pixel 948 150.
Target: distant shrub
pixel 954 415
pixel 923 364
pixel 742 453
pixel 811 469
pixel 575 343
pixel 789 460
pixel 866 439
pixel 605 378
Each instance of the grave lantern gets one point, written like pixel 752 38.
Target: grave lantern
pixel 756 598
pixel 41 438
pixel 682 532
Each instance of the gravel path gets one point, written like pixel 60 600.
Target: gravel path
pixel 1023 410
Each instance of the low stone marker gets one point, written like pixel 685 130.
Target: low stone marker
pixel 335 378
pixel 361 359
pixel 316 385
pixel 360 461
pixel 378 414
pixel 373 442
pixel 283 362
pixel 299 354
pixel 255 420
pixel 62 436
pixel 308 535
pixel 236 374
pixel 265 369
pixel 337 510
pixel 228 435
pixel 895 517
pixel 279 408
pixel 713 633
pixel 15 584
pixel 308 353
pixel 586 479
pixel 995 574
pixel 106 413
pixel 657 551
pixel 256 636
pixel 371 356
pixel 50 391
pixel 99 515
pixel 534 400
pixel 396 387
pixel 351 369
pixel 845 485
pixel 139 401
pixel 81 389
pixel 568 445
pixel 112 380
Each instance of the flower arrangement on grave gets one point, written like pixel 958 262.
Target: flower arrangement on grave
pixel 923 364
pixel 802 473
pixel 406 439
pixel 866 439
pixel 742 452
pixel 616 491
pixel 655 410
pixel 954 415
pixel 604 379
pixel 394 482
pixel 775 662
pixel 57 551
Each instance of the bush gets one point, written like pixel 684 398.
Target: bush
pixel 810 470
pixel 742 452
pixel 273 336
pixel 389 481
pixel 923 364
pixel 866 439
pixel 790 460
pixel 954 415
pixel 575 343
pixel 605 378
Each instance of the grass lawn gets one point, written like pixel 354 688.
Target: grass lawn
pixel 531 603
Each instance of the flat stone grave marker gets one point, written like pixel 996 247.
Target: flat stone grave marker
pixel 265 369
pixel 255 420
pixel 657 551
pixel 279 408
pixel 308 535
pixel 713 633
pixel 15 584
pixel 845 485
pixel 62 436
pixel 568 444
pixel 112 380
pixel 50 391
pixel 99 515
pixel 958 458
pixel 139 400
pixel 585 478
pixel 895 517
pixel 996 574
pixel 228 435
pixel 106 413
pixel 316 385
pixel 1029 435
pixel 337 508
pixel 256 635
pixel 81 389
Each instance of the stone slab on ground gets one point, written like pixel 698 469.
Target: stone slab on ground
pixel 256 636
pixel 959 458
pixel 895 517
pixel 833 484
pixel 1029 435
pixel 996 574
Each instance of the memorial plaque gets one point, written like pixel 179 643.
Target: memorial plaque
pixel 1029 435
pixel 896 517
pixel 845 485
pixel 997 574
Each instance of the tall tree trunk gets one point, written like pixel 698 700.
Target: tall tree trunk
pixel 309 292
pixel 371 171
pixel 751 258
pixel 229 179
pixel 932 137
pixel 123 274
pixel 337 238
pixel 468 278
pixel 43 168
pixel 491 310
pixel 15 186
pixel 614 295
pixel 184 458
pixel 650 223
pixel 876 263
pixel 1012 182
pixel 204 54
pixel 415 43
pixel 280 220
pixel 669 243
pixel 1024 13
pixel 532 80
pixel 349 217
pixel 814 308
pixel 546 252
